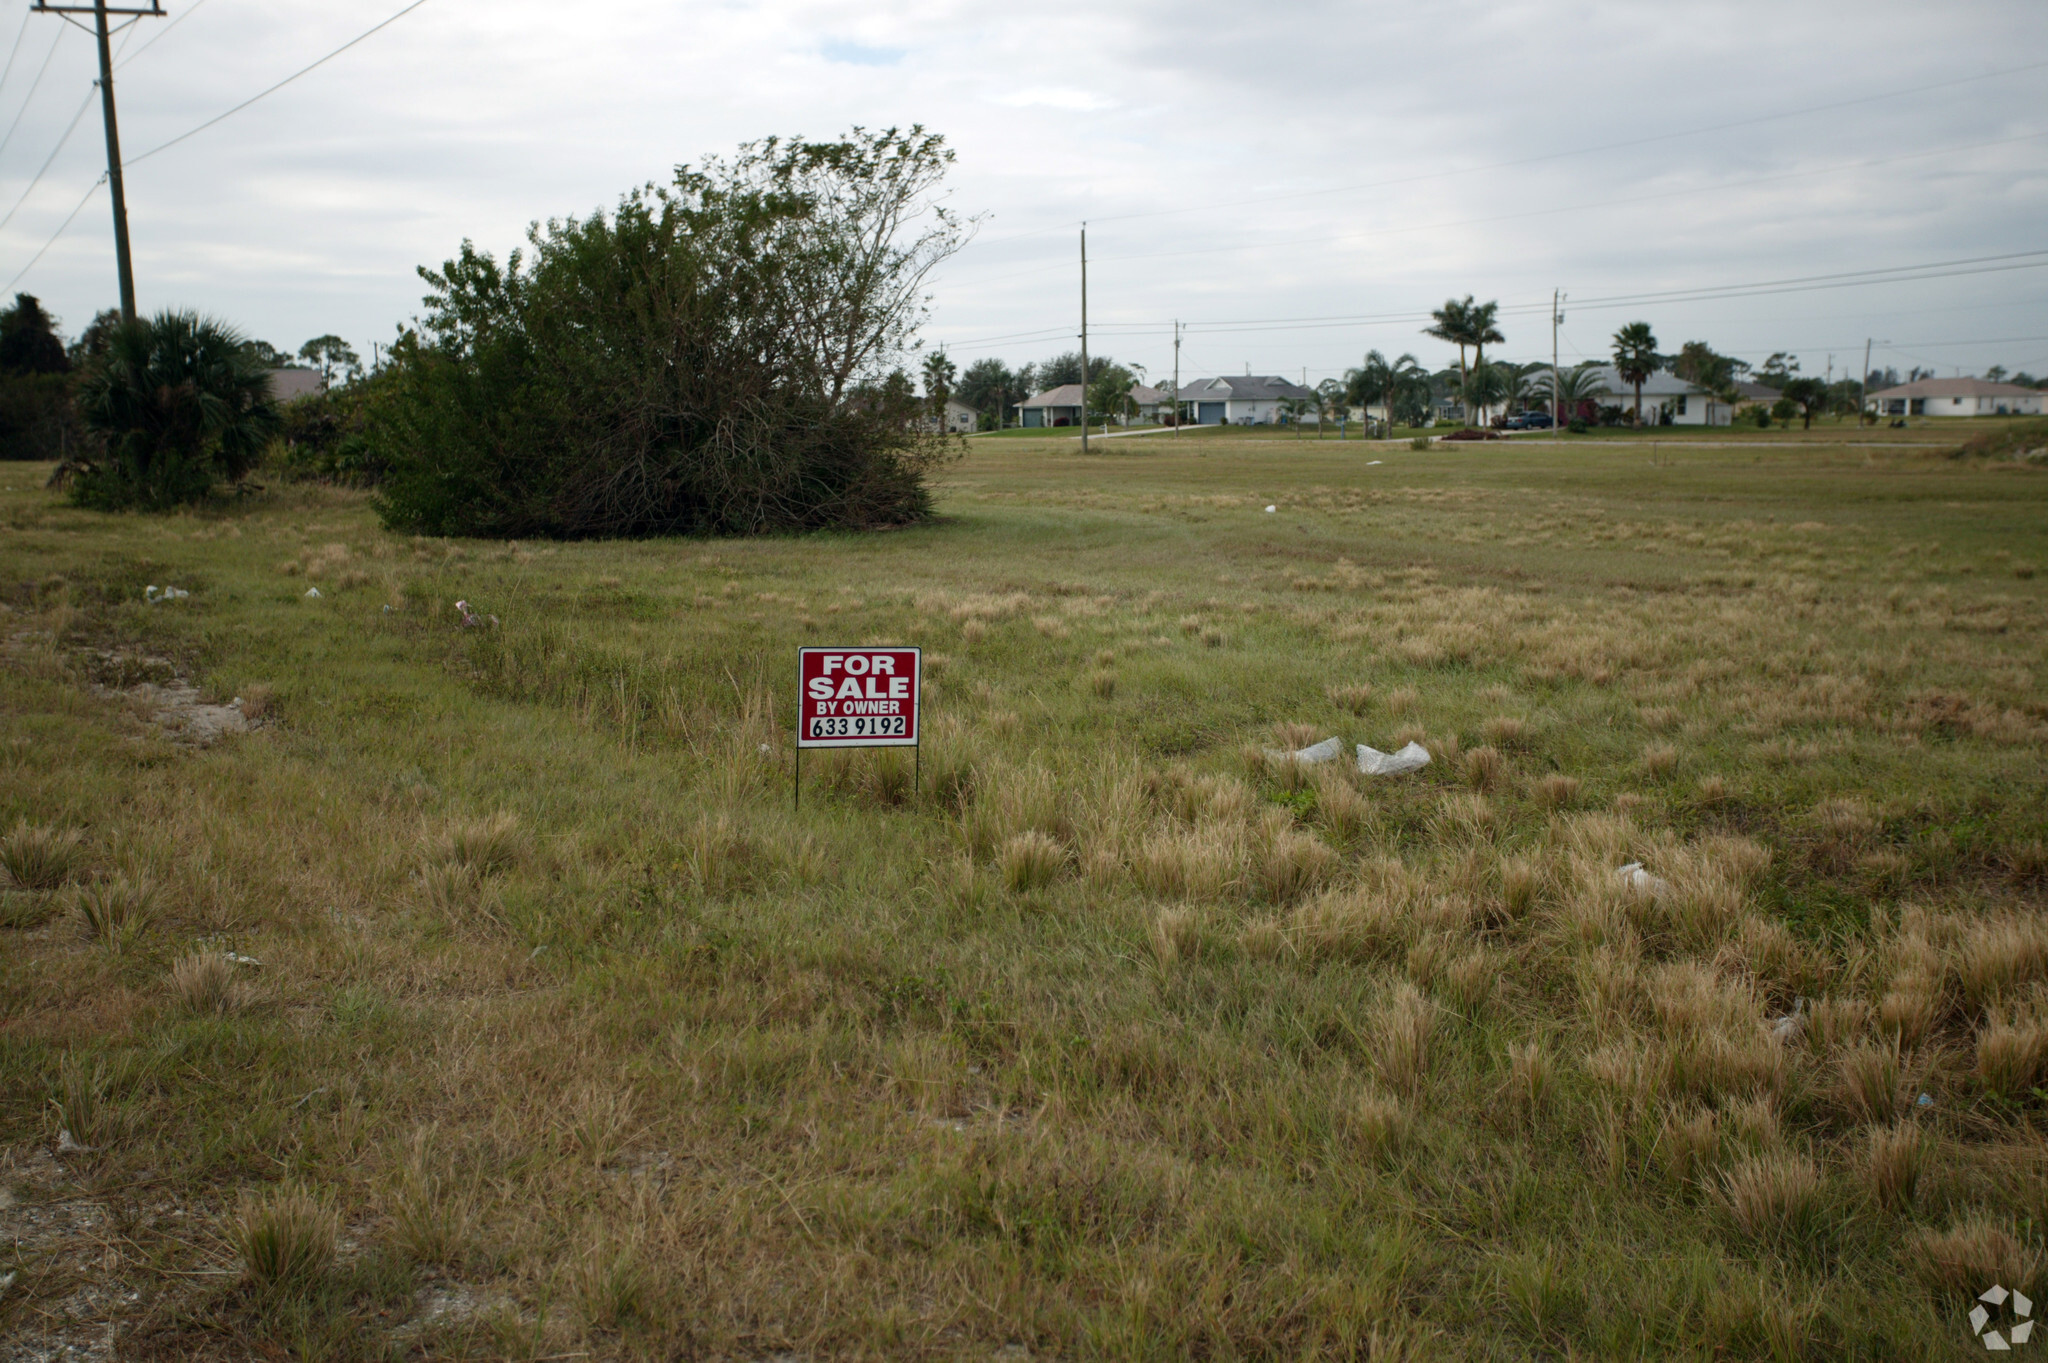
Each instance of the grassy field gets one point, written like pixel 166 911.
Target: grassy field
pixel 1117 1038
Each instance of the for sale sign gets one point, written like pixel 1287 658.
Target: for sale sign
pixel 857 697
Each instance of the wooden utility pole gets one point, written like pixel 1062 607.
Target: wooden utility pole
pixel 100 11
pixel 1556 386
pixel 1084 338
pixel 1176 378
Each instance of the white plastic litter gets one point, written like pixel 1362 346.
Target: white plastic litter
pixel 1634 877
pixel 1370 462
pixel 1373 762
pixel 6 1281
pixel 67 1144
pixel 1924 1100
pixel 313 593
pixel 1329 750
pixel 1787 1030
pixel 1272 508
pixel 236 958
pixel 470 619
pixel 152 595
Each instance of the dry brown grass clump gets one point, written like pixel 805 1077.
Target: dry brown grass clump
pixel 1532 1074
pixel 37 857
pixel 1774 1196
pixel 285 1237
pixel 1506 731
pixel 1399 1039
pixel 112 912
pixel 1340 808
pixel 1712 790
pixel 258 700
pixel 1401 700
pixel 204 982
pixel 1869 1079
pixel 1891 1163
pixel 1356 699
pixel 1558 791
pixel 1292 863
pixel 1484 768
pixel 1996 959
pixel 1031 860
pixel 1379 1123
pixel 1689 1145
pixel 2012 1055
pixel 1660 760
pixel 1966 1259
pixel 485 846
pixel 1199 863
pixel 1175 935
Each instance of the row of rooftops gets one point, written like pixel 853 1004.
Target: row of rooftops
pixel 1663 383
pixel 1230 388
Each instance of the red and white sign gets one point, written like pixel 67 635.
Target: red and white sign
pixel 857 697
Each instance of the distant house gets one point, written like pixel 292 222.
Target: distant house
pixel 1240 400
pixel 960 418
pixel 1154 404
pixel 1955 397
pixel 291 384
pixel 1667 398
pixel 1748 395
pixel 1059 406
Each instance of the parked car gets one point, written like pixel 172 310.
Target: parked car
pixel 1528 421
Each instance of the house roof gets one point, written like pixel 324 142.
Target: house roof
pixel 1745 391
pixel 1956 388
pixel 1242 388
pixel 1066 395
pixel 290 384
pixel 1145 395
pixel 1662 384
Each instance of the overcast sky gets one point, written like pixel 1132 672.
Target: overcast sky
pixel 1237 164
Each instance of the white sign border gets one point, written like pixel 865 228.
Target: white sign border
pixel 916 652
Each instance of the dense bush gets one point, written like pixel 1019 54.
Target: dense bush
pixel 36 417
pixel 174 405
pixel 715 357
pixel 323 438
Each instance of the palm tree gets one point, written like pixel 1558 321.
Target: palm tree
pixel 1383 379
pixel 1466 324
pixel 174 403
pixel 1454 324
pixel 1483 387
pixel 1484 332
pixel 1635 359
pixel 1571 387
pixel 939 374
pixel 1514 386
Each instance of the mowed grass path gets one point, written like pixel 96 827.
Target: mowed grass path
pixel 1115 1039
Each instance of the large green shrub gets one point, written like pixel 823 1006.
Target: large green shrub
pixel 175 405
pixel 715 357
pixel 36 417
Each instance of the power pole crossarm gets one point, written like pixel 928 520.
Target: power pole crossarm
pixel 100 10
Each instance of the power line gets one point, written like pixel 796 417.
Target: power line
pixel 83 106
pixel 190 10
pixel 12 52
pixel 1350 236
pixel 217 118
pixel 34 86
pixel 1541 157
pixel 54 235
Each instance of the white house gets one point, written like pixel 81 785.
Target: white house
pixel 960 418
pixel 1955 397
pixel 1667 395
pixel 1240 400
